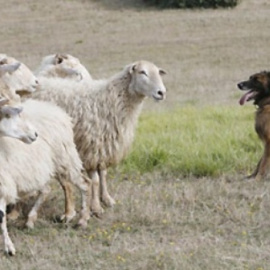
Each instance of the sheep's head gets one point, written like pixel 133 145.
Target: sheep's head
pixel 63 66
pixel 17 76
pixel 13 124
pixel 146 80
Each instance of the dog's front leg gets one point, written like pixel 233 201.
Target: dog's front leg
pixel 264 163
pixel 255 172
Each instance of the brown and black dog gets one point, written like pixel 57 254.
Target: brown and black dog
pixel 258 89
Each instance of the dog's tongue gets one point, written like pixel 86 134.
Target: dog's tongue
pixel 245 97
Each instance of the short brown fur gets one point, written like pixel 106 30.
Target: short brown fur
pixel 259 85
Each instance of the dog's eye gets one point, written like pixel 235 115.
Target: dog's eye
pixel 254 79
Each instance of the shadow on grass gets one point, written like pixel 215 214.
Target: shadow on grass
pixel 122 4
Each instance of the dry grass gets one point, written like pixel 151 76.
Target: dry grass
pixel 160 221
pixel 205 52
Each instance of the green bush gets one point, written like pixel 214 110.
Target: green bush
pixel 193 3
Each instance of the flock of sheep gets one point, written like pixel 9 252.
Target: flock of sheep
pixel 59 123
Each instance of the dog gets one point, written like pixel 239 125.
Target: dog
pixel 258 90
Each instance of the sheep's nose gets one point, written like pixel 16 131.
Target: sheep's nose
pixel 161 94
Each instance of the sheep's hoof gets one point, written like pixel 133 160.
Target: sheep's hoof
pixel 10 251
pixel 108 201
pixel 81 224
pixel 97 214
pixel 32 217
pixel 30 224
pixel 96 210
pixel 67 218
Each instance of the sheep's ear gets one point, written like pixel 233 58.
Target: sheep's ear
pixel 132 68
pixel 3 61
pixel 3 101
pixel 162 72
pixel 9 67
pixel 12 111
pixel 72 71
pixel 59 58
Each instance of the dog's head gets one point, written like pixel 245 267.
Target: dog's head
pixel 257 87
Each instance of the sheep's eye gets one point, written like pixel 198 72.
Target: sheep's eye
pixel 59 60
pixel 7 116
pixel 143 72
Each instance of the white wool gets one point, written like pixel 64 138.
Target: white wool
pixel 62 65
pixel 29 168
pixel 21 80
pixel 52 155
pixel 104 112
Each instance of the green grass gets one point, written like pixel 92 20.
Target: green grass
pixel 204 141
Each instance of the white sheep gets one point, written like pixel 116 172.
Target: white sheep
pixel 105 114
pixel 27 168
pixel 63 66
pixel 17 77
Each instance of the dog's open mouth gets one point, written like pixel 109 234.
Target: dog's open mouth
pixel 251 94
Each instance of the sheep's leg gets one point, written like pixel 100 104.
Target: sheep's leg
pixel 13 211
pixel 32 216
pixel 96 208
pixel 104 194
pixel 9 247
pixel 70 211
pixel 85 187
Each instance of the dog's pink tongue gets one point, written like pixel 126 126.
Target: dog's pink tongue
pixel 245 97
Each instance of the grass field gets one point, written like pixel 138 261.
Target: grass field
pixel 181 200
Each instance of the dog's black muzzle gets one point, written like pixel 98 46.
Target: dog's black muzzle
pixel 244 85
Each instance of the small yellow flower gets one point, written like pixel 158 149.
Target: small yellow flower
pixel 120 258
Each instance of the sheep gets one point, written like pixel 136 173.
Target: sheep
pixel 12 125
pixel 17 77
pixel 19 81
pixel 27 168
pixel 62 66
pixel 105 114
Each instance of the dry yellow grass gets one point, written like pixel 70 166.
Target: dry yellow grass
pixel 160 221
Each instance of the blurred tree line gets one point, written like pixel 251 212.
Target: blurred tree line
pixel 193 3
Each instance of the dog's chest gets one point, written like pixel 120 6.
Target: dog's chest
pixel 262 122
